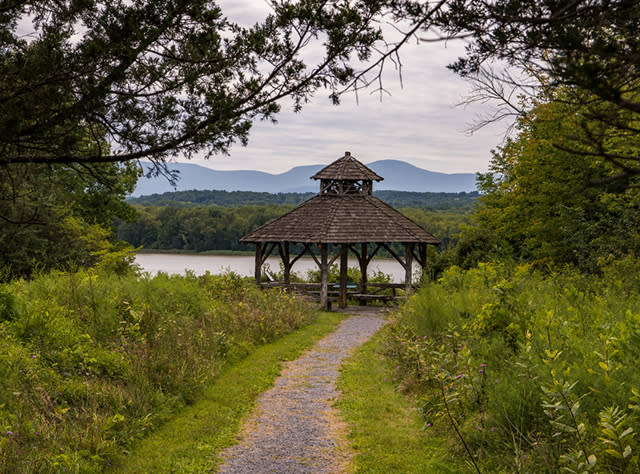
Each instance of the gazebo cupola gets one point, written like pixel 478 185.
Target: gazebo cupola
pixel 346 176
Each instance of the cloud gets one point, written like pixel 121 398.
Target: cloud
pixel 419 122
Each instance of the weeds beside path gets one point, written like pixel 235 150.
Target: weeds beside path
pixel 191 441
pixel 385 428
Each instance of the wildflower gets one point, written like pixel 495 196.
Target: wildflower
pixel 479 428
pixel 428 425
pixel 33 356
pixel 483 365
pixel 9 432
pixel 493 428
pixel 481 371
pixel 459 375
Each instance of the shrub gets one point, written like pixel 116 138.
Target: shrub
pixel 529 371
pixel 91 361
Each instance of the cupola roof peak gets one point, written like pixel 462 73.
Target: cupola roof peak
pixel 347 168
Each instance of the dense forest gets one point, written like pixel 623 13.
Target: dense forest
pixel 430 201
pixel 202 221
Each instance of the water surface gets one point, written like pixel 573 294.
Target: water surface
pixel 244 264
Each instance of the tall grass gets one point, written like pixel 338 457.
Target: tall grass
pixel 91 361
pixel 529 372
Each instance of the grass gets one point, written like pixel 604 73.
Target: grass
pixel 92 361
pixel 527 371
pixel 385 428
pixel 191 441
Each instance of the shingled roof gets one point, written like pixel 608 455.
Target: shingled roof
pixel 341 219
pixel 347 168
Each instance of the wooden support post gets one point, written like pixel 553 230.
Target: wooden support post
pixel 286 261
pixel 258 262
pixel 344 265
pixel 364 262
pixel 408 261
pixel 423 262
pixel 324 276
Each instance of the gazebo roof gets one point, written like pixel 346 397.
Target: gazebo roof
pixel 347 168
pixel 355 218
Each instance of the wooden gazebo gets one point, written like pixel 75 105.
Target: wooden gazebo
pixel 346 216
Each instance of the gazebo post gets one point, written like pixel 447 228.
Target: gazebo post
pixel 423 260
pixel 258 262
pixel 344 265
pixel 408 260
pixel 324 276
pixel 287 265
pixel 364 261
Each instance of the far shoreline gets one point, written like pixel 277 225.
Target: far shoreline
pixel 194 252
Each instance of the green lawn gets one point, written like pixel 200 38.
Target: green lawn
pixel 385 428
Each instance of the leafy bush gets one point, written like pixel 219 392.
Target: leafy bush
pixel 528 371
pixel 91 361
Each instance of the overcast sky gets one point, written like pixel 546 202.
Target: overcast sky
pixel 419 123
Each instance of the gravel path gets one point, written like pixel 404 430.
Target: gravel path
pixel 294 427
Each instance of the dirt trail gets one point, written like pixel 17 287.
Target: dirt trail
pixel 294 427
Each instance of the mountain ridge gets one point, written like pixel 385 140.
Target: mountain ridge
pixel 398 176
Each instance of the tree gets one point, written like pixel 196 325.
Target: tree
pixel 55 216
pixel 153 78
pixel 530 48
pixel 538 205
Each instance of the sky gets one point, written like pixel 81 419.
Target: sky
pixel 419 122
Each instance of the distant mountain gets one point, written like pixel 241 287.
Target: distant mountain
pixel 398 176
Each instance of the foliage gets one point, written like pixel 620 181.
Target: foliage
pixel 353 275
pixel 91 361
pixel 586 46
pixel 160 76
pixel 59 216
pixel 537 204
pixel 529 372
pixel 431 201
pixel 384 428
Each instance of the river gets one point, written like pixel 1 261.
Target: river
pixel 244 264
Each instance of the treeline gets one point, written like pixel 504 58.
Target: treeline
pixel 209 228
pixel 431 201
pixel 197 229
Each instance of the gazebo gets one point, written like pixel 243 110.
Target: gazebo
pixel 348 218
